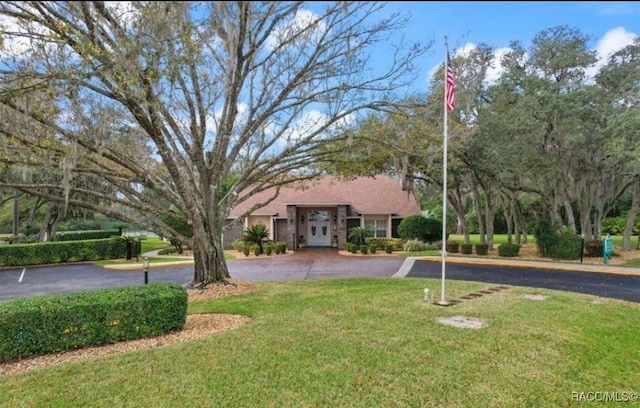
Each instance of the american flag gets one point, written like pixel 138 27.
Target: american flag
pixel 450 86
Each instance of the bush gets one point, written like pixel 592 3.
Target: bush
pixel 268 249
pixel 84 235
pixel 593 248
pixel 51 324
pixel 466 249
pixel 508 250
pixel 56 252
pixel 373 249
pixel 452 246
pixel 568 246
pixel 546 235
pixel 353 248
pixel 238 245
pixel 388 248
pixel 246 250
pixel 364 249
pixel 381 243
pixel 420 228
pixel 415 245
pixel 257 250
pixel 482 249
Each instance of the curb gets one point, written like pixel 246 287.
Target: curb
pixel 618 270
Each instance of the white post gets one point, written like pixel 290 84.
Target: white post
pixel 443 301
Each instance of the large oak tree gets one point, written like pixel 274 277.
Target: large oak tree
pixel 193 106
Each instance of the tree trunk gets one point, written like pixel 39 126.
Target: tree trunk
pixel 476 204
pixel 16 213
pixel 568 209
pixel 53 230
pixel 631 217
pixel 457 201
pixel 489 218
pixel 208 255
pixel 44 228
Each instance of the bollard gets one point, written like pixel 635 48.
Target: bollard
pixel 145 265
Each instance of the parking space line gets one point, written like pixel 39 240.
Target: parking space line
pixel 22 275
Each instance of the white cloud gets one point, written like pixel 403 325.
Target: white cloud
pixel 301 21
pixel 493 72
pixel 612 41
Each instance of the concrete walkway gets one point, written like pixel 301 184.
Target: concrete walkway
pixel 311 253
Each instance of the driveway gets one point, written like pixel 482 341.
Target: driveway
pixel 317 263
pixel 604 282
pixel 322 264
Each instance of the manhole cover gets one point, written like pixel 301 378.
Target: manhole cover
pixel 535 297
pixel 462 321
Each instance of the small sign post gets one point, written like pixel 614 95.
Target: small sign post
pixel 607 249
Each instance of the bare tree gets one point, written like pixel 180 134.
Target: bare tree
pixel 202 92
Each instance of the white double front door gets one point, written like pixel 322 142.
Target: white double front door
pixel 319 228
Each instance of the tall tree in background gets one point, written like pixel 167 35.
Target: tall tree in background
pixel 207 91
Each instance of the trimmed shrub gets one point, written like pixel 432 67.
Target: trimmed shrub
pixel 364 249
pixel 568 246
pixel 268 249
pixel 353 248
pixel 55 323
pixel 466 249
pixel 593 248
pixel 388 248
pixel 246 250
pixel 381 243
pixel 66 251
pixel 257 250
pixel 84 235
pixel 508 250
pixel 415 245
pixel 421 228
pixel 482 249
pixel 452 246
pixel 373 249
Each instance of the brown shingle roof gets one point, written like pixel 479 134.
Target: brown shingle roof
pixel 365 195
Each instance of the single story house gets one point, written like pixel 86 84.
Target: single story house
pixel 321 212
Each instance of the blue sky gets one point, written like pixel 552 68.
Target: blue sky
pixel 611 25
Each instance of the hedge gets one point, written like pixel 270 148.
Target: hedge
pixel 66 251
pixel 84 235
pixel 56 323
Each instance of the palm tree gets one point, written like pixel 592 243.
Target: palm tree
pixel 256 234
pixel 359 234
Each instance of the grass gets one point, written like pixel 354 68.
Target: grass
pixel 365 343
pixel 502 239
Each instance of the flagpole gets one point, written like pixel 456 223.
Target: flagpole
pixel 443 301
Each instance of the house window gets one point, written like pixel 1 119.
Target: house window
pixel 378 227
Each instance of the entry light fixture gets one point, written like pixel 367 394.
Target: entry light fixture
pixel 302 218
pixel 342 219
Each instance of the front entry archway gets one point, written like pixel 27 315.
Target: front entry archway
pixel 319 228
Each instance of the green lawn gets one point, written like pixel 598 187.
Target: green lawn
pixel 365 343
pixel 502 238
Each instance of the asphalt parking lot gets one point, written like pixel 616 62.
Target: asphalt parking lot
pixel 325 264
